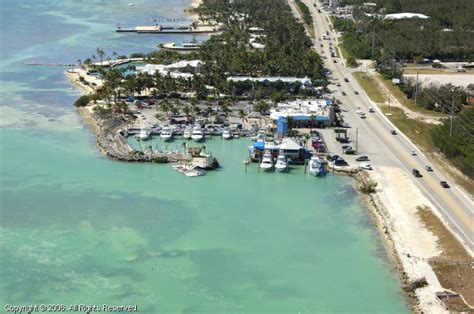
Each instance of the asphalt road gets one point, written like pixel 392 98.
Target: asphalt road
pixel 385 149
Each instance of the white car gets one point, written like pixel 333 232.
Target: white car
pixel 413 153
pixel 366 166
pixel 371 109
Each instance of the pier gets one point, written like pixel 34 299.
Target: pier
pixel 159 29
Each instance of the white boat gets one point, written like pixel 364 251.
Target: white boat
pixel 260 136
pixel 197 134
pixel 143 135
pixel 316 167
pixel 226 134
pixel 166 134
pixel 281 164
pixel 187 133
pixel 267 162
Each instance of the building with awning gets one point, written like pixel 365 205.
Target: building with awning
pixel 302 114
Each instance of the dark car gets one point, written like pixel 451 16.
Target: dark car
pixel 335 61
pixel 362 158
pixel 346 79
pixel 393 132
pixel 356 92
pixel 444 184
pixel 334 157
pixel 416 173
pixel 344 94
pixel 428 168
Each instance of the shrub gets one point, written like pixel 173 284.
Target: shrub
pixel 82 101
pixel 368 187
pixel 161 160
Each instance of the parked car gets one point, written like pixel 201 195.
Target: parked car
pixel 343 93
pixel 362 158
pixel 416 173
pixel 371 109
pixel 356 92
pixel 334 157
pixel 366 166
pixel 444 184
pixel 346 79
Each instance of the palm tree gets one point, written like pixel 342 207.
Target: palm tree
pixel 166 107
pixel 242 115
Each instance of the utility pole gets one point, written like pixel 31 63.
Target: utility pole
pixel 416 87
pixel 357 140
pixel 452 115
pixel 373 43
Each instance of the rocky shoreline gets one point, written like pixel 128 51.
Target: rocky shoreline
pixel 379 218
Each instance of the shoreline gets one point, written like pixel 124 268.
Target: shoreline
pixel 379 221
pixel 372 204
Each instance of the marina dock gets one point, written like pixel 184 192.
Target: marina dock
pixel 159 29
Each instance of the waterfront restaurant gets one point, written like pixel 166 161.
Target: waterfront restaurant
pixel 302 114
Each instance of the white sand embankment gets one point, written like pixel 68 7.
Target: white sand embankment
pixel 398 198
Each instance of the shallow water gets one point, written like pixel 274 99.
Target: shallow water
pixel 78 228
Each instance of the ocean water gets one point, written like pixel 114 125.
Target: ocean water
pixel 76 228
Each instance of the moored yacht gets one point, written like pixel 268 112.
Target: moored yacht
pixel 166 134
pixel 197 134
pixel 187 133
pixel 226 134
pixel 143 135
pixel 316 167
pixel 267 162
pixel 281 164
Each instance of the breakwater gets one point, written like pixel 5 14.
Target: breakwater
pixel 108 129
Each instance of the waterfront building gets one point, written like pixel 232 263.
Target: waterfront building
pixel 302 114
pixel 181 69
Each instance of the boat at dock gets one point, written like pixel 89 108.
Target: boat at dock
pixel 187 133
pixel 316 166
pixel 189 170
pixel 267 162
pixel 197 134
pixel 166 134
pixel 143 135
pixel 281 164
pixel 184 47
pixel 226 134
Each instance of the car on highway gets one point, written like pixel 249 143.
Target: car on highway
pixel 393 132
pixel 412 152
pixel 428 168
pixel 444 184
pixel 371 109
pixel 362 158
pixel 416 173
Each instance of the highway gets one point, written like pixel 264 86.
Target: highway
pixel 384 148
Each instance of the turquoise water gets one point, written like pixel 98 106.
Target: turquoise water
pixel 78 228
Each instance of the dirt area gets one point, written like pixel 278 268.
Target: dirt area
pixel 456 79
pixel 454 266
